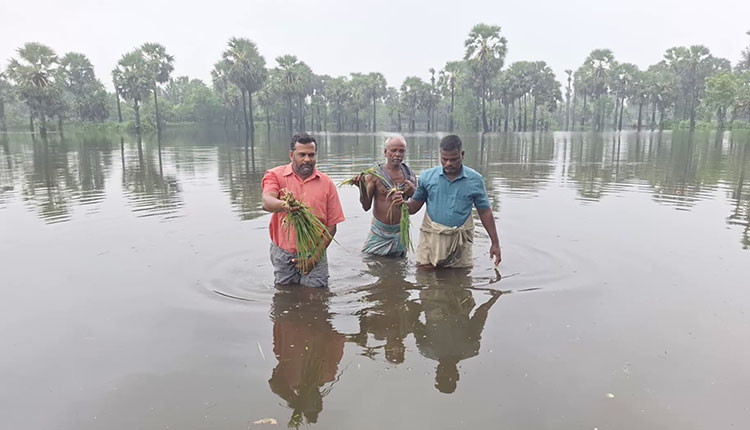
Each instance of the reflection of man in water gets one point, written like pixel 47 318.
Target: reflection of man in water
pixel 308 350
pixel 451 191
pixel 390 316
pixel 384 237
pixel 450 334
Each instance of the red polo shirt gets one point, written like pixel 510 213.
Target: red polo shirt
pixel 317 191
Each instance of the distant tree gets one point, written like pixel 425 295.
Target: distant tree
pixel 359 95
pixel 337 90
pixel 376 85
pixel 246 69
pixel 35 74
pixel 721 90
pixel 6 96
pixel 692 66
pixel 160 66
pixel 448 80
pixel 744 64
pixel 295 85
pixel 485 52
pixel 410 94
pixel 393 103
pixel 134 79
pixel 88 94
pixel 600 65
pixel 568 92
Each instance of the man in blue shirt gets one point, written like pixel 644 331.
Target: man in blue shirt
pixel 450 191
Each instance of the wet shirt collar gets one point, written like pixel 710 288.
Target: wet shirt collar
pixel 289 170
pixel 460 176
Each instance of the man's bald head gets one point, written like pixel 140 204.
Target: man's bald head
pixel 394 149
pixel 392 139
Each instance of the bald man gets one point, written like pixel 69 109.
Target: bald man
pixel 385 231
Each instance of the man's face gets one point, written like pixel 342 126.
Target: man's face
pixel 452 161
pixel 395 151
pixel 303 158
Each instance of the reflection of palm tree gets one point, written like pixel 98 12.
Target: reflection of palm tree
pixel 450 334
pixel 308 349
pixel 391 316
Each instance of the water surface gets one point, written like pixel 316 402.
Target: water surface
pixel 137 291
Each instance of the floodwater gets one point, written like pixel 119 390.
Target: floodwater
pixel 137 291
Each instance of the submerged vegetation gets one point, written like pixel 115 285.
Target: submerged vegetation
pixel 688 88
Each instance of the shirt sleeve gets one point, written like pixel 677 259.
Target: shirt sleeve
pixel 270 183
pixel 334 211
pixel 481 200
pixel 421 193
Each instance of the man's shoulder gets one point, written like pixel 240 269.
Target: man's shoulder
pixel 432 171
pixel 278 170
pixel 471 173
pixel 324 179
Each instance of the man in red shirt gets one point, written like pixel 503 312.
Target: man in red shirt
pixel 315 189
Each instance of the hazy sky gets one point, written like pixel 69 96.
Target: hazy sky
pixel 398 38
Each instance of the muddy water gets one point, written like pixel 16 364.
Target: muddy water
pixel 137 293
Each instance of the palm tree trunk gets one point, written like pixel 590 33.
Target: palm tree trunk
pixel 3 123
pixel 450 122
pixel 137 110
pixel 252 118
pixel 31 123
pixel 622 109
pixel 583 112
pixel 640 111
pixel 507 112
pixel 399 121
pixel 374 116
pixel 60 126
pixel 485 126
pixel 244 116
pixel 119 111
pixel 289 114
pixel 533 125
pixel 156 110
pixel 614 117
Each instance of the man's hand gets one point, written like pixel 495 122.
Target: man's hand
pixel 409 188
pixel 397 198
pixel 358 179
pixel 495 253
pixel 286 208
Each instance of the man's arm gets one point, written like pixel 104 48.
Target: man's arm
pixel 369 192
pixel 414 205
pixel 271 202
pixel 488 221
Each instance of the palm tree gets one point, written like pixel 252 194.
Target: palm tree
pixel 485 51
pixel 89 96
pixel 35 75
pixel 338 92
pixel 448 79
pixel 160 67
pixel 568 92
pixel 6 95
pixel 246 68
pixel 134 80
pixel 376 84
pixel 410 92
pixel 744 63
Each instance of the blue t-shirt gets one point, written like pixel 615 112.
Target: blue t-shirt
pixel 450 202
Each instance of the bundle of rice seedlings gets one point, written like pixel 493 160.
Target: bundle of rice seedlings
pixel 362 184
pixel 405 221
pixel 310 231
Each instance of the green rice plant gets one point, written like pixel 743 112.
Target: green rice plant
pixel 405 221
pixel 362 184
pixel 309 229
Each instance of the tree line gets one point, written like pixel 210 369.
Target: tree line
pixel 688 87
